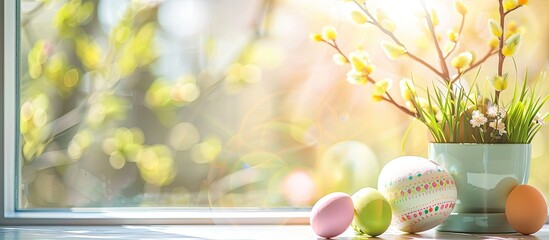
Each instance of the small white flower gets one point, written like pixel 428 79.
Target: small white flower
pixel 498 125
pixel 478 119
pixel 538 119
pixel 492 111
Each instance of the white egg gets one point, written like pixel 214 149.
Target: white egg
pixel 421 193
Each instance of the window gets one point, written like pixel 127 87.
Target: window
pixel 181 107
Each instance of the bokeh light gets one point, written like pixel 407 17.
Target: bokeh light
pixel 227 103
pixel 299 188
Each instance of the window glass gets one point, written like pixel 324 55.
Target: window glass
pixel 218 103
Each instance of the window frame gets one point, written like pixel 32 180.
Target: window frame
pixel 9 170
pixel 9 215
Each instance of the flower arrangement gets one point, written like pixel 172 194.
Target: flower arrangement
pixel 452 113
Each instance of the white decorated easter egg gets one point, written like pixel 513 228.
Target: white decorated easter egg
pixel 421 193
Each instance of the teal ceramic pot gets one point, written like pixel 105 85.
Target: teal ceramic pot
pixel 484 174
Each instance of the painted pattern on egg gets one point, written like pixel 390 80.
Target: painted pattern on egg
pixel 421 193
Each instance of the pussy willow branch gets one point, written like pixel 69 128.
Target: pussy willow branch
pixel 336 47
pixel 476 64
pixel 417 59
pixel 387 96
pixel 443 64
pixel 458 38
pixel 517 7
pixel 395 39
pixel 501 57
pixel 391 100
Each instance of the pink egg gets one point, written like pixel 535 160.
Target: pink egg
pixel 332 214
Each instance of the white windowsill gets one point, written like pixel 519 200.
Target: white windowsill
pixel 103 216
pixel 303 232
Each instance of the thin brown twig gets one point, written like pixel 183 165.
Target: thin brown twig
pixel 443 64
pixel 501 57
pixel 390 99
pixel 395 39
pixel 476 64
pixel 394 103
pixel 417 59
pixel 458 38
pixel 517 7
pixel 336 47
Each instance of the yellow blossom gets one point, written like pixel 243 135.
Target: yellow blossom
pixel 381 87
pixel 438 113
pixel 500 83
pixel 460 7
pixel 510 4
pixel 381 15
pixel 494 42
pixel 377 98
pixel 439 37
pixel 434 18
pixel 315 37
pixel 511 45
pixel 410 105
pixel 357 78
pixel 392 50
pixel 495 28
pixel 428 108
pixel 453 35
pixel 385 21
pixel 329 33
pixel 360 61
pixel 421 103
pixel 368 69
pixel 339 59
pixel 512 28
pixel 407 89
pixel 462 60
pixel 388 24
pixel 358 17
pixel 474 57
pixel 522 2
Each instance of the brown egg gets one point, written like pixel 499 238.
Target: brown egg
pixel 526 209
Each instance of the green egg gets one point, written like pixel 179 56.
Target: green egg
pixel 372 212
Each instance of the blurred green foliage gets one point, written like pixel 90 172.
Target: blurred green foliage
pixel 82 98
pixel 70 94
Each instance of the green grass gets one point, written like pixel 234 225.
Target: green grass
pixel 457 105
